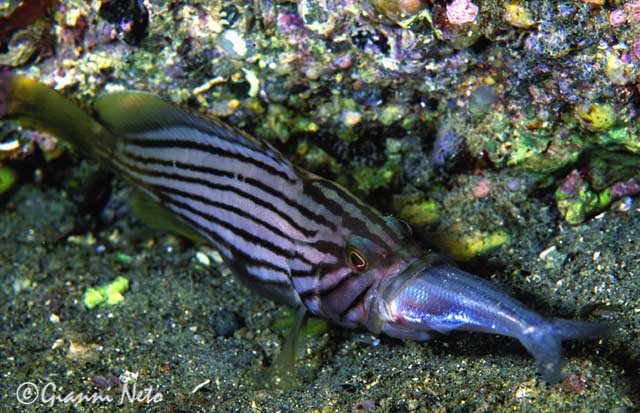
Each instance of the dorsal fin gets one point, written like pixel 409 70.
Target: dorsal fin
pixel 127 113
pixel 135 112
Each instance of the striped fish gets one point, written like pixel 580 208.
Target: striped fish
pixel 287 234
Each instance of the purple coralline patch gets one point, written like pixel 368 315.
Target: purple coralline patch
pixel 572 183
pixel 627 188
pixel 288 22
pixel 446 146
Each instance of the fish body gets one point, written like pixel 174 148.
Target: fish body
pixel 287 234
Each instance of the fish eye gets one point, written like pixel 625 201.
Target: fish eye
pixel 361 254
pixel 356 259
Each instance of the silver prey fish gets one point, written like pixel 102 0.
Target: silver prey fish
pixel 287 234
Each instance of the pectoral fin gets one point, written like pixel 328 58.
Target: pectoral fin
pixel 156 216
pixel 284 368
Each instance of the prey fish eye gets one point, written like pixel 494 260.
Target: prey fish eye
pixel 290 249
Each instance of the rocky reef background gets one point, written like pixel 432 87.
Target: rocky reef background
pixel 505 132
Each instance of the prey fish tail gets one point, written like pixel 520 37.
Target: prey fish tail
pixel 286 233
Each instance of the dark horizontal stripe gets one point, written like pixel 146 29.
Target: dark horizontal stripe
pixel 227 133
pixel 284 282
pixel 304 277
pixel 306 295
pixel 178 118
pixel 340 284
pixel 312 273
pixel 321 272
pixel 357 301
pixel 321 245
pixel 203 200
pixel 162 144
pixel 195 225
pixel 237 251
pixel 344 209
pixel 382 233
pixel 222 187
pixel 182 205
pixel 219 205
pixel 248 238
pixel 306 213
pixel 328 247
pixel 214 236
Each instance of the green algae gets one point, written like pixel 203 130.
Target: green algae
pixel 423 213
pixel 620 137
pixel 277 124
pixel 370 178
pixel 107 294
pixel 8 179
pixel 297 74
pixel 575 208
pixel 124 258
pixel 391 114
pixel 596 116
pixel 464 245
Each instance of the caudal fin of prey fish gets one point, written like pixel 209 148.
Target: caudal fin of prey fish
pixel 544 342
pixel 443 298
